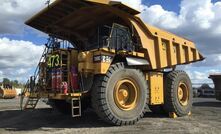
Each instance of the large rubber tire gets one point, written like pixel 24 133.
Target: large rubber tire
pixel 171 99
pixel 103 101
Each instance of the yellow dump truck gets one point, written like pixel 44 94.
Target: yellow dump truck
pixel 101 54
pixel 7 92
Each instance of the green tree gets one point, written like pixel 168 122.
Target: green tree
pixel 6 81
pixel 15 83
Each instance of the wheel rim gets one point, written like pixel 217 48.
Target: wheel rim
pixel 126 94
pixel 183 94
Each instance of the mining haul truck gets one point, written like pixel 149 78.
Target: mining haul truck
pixel 100 54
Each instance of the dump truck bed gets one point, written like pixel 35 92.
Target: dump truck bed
pixel 73 20
pixel 164 48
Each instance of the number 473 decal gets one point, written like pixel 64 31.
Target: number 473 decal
pixel 53 61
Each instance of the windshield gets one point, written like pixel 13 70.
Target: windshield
pixel 116 37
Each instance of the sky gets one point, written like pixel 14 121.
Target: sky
pixel 197 20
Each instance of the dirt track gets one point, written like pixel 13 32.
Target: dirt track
pixel 206 118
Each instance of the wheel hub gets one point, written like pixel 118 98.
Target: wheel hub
pixel 123 92
pixel 183 94
pixel 126 94
pixel 180 93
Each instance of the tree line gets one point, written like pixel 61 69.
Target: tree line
pixel 13 83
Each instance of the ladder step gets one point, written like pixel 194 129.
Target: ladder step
pixel 76 115
pixel 28 108
pixel 76 99
pixel 33 100
pixel 31 103
pixel 76 107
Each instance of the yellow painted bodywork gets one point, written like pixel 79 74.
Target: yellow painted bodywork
pixel 87 65
pixel 165 49
pixel 155 80
pixel 99 1
pixel 8 93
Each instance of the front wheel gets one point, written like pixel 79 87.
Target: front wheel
pixel 178 93
pixel 120 97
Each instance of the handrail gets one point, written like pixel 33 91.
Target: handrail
pixel 50 46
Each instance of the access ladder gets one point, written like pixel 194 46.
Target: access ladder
pixel 31 103
pixel 76 107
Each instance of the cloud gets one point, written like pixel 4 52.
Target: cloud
pixel 202 77
pixel 156 15
pixel 18 58
pixel 212 60
pixel 15 12
pixel 200 74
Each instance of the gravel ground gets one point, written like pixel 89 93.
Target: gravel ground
pixel 205 118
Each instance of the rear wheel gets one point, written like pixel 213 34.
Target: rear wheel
pixel 178 93
pixel 120 97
